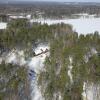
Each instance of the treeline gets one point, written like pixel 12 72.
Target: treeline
pixel 84 51
pixel 63 11
pixel 51 10
pixel 20 33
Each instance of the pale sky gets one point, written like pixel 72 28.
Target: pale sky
pixel 58 0
pixel 65 0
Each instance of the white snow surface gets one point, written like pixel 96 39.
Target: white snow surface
pixel 70 67
pixel 3 25
pixel 28 16
pixel 91 91
pixel 16 17
pixel 15 57
pixel 84 95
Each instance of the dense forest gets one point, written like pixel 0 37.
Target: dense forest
pixel 50 10
pixel 84 51
pixel 67 48
pixel 13 82
pixel 21 35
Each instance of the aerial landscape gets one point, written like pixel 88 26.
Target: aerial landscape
pixel 49 50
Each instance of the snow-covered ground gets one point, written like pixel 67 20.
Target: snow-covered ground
pixel 91 91
pixel 3 25
pixel 34 64
pixel 16 17
pixel 85 15
pixel 70 67
pixel 80 25
pixel 20 16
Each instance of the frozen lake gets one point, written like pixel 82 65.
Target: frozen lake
pixel 81 25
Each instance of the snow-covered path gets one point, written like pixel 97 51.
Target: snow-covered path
pixel 70 67
pixel 34 64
